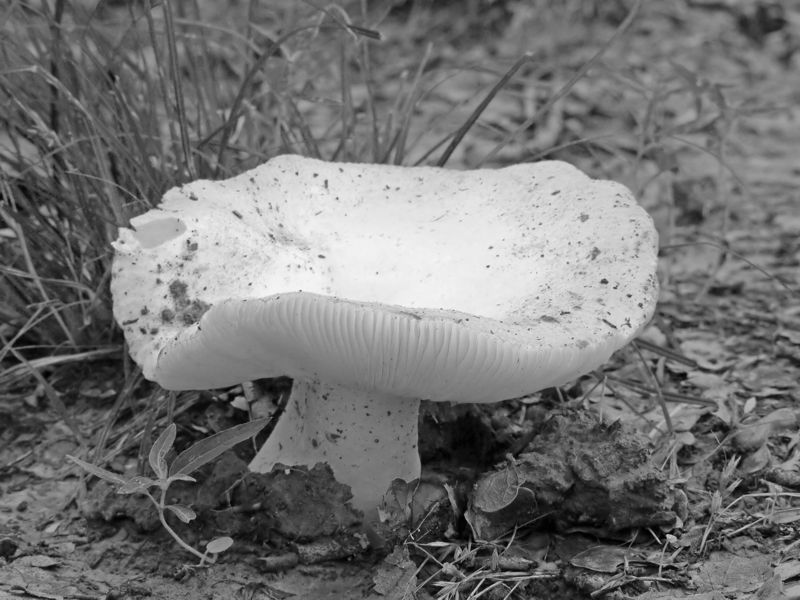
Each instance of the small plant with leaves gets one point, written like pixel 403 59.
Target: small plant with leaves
pixel 187 462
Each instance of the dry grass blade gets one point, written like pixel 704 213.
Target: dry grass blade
pixel 665 395
pixel 177 87
pixel 656 386
pixel 161 78
pixel 462 131
pixel 398 144
pixel 13 375
pixel 665 352
pixel 123 397
pixel 476 570
pixel 347 116
pixel 229 125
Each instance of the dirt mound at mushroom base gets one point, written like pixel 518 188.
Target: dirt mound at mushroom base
pixel 279 510
pixel 577 472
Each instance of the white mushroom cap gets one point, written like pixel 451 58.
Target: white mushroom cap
pixel 374 281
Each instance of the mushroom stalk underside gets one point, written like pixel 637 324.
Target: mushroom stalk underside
pixel 368 438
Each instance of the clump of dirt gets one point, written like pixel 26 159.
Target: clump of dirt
pixel 577 471
pixel 296 503
pixel 286 506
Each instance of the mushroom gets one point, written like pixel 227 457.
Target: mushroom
pixel 376 286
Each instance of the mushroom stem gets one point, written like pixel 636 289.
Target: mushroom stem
pixel 368 439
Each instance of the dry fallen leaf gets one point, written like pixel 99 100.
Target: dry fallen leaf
pixel 754 435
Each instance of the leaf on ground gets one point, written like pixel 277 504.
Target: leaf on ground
pixel 40 561
pixel 754 435
pixel 727 573
pixel 601 558
pixel 396 577
pixel 206 450
pixel 789 569
pixel 497 491
pixel 757 461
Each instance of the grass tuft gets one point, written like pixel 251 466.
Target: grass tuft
pixel 110 107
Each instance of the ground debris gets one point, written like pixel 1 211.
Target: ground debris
pixel 576 472
pixel 695 108
pixel 294 505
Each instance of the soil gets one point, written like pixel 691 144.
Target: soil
pixel 700 501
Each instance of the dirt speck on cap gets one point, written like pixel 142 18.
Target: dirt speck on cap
pixel 185 309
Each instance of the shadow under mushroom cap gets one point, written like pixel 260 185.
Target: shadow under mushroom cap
pixel 414 353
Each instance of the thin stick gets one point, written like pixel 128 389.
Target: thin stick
pixel 665 352
pixel 657 386
pixel 725 248
pixel 668 396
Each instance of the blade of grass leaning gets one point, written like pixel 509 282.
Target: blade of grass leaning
pixel 659 393
pixel 177 87
pixel 347 113
pixel 208 449
pixel 161 79
pixel 228 127
pixel 342 19
pixel 400 141
pixel 462 131
pixel 56 56
pixel 310 143
pixel 626 23
pixel 124 397
pixel 436 146
pixel 365 64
